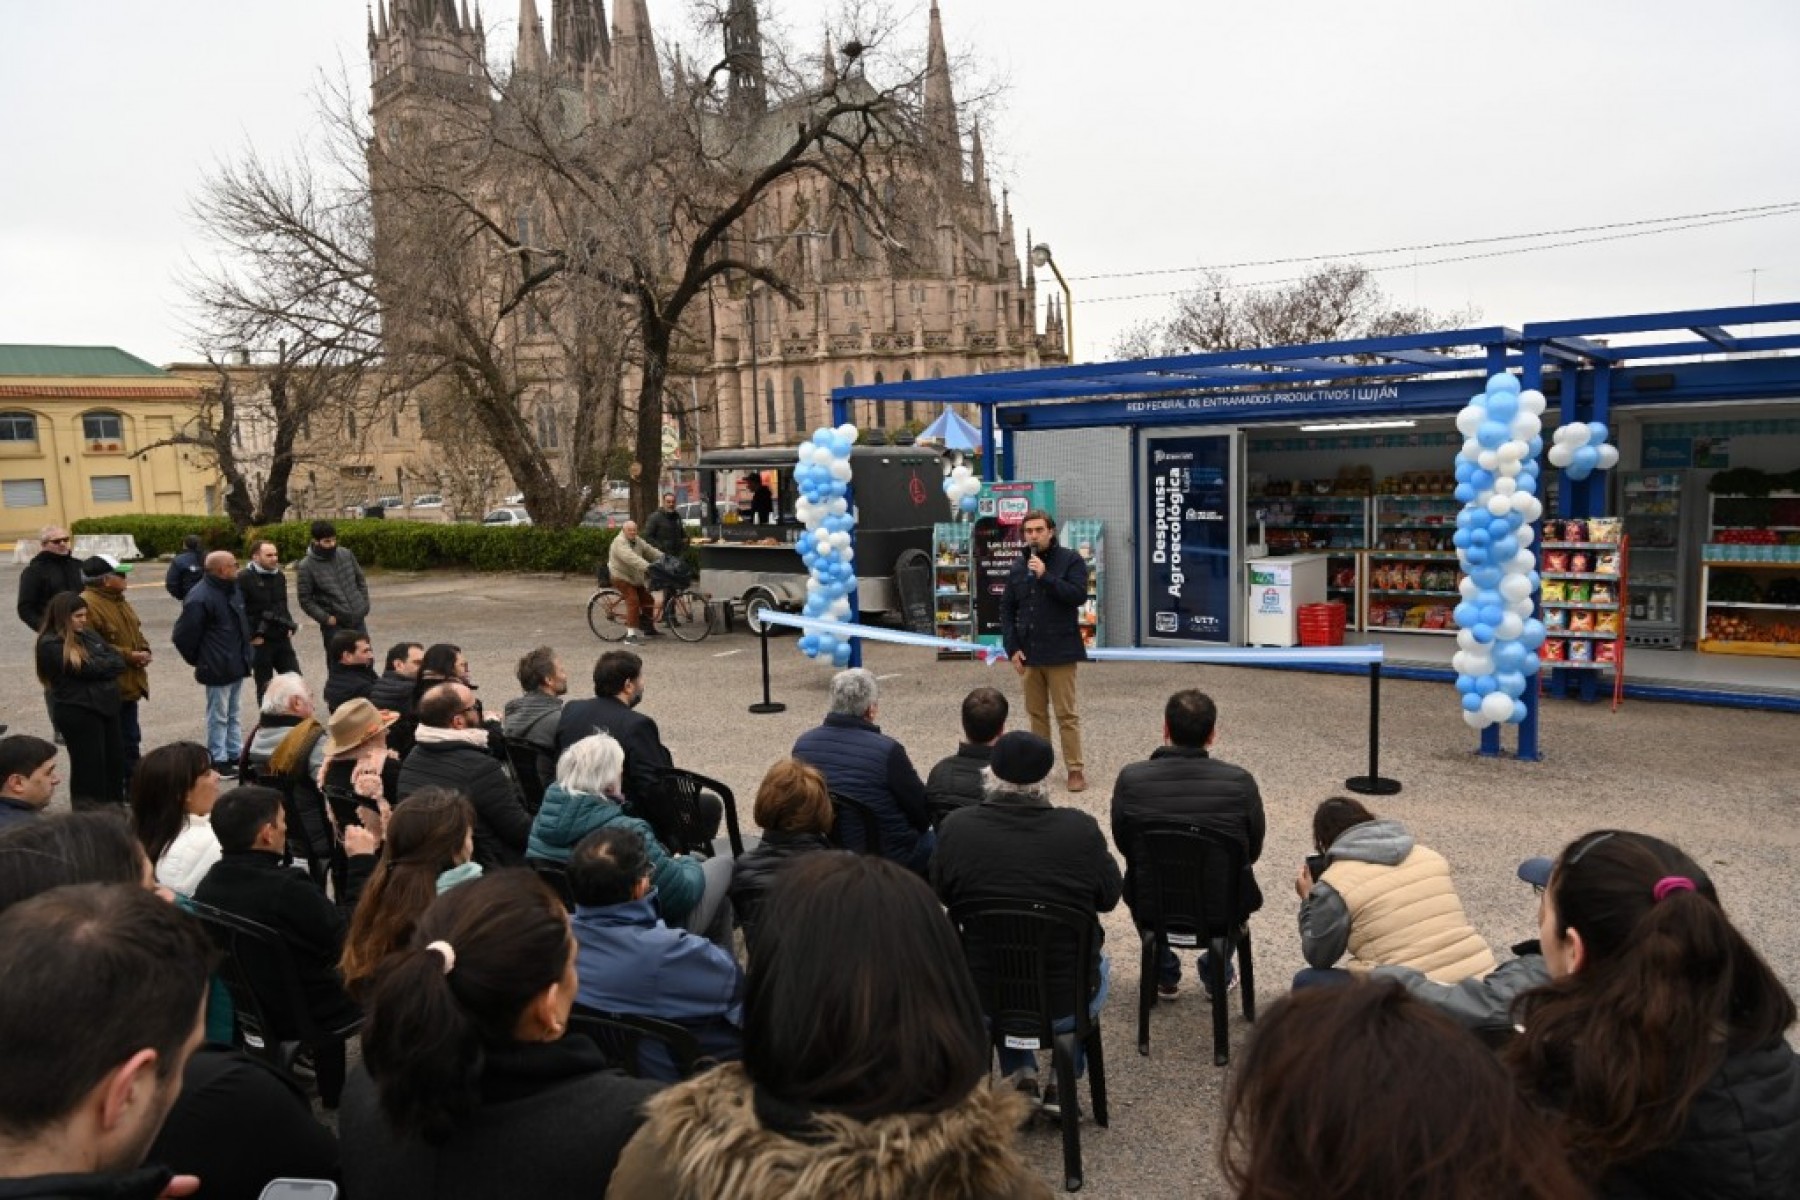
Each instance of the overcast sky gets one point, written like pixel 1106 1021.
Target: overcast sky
pixel 1136 136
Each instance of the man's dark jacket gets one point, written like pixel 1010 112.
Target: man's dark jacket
pixel 1184 784
pixel 755 872
pixel 551 1123
pixel 44 578
pixel 664 530
pixel 266 603
pixel 344 683
pixel 958 779
pixel 253 884
pixel 1041 614
pixel 184 572
pixel 239 1123
pixel 502 826
pixel 865 764
pixel 393 692
pixel 213 633
pixel 645 755
pixel 141 1183
pixel 1014 848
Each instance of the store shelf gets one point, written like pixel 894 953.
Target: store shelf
pixel 1413 554
pixel 1583 634
pixel 1452 631
pixel 1413 592
pixel 1581 604
pixel 1748 604
pixel 1580 666
pixel 1578 545
pixel 1603 576
pixel 1773 528
pixel 1763 564
pixel 1769 649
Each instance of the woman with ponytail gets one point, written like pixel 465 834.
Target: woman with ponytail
pixel 1660 1040
pixel 430 840
pixel 468 1087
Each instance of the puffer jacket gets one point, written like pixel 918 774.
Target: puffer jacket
pixel 715 1135
pixel 566 817
pixel 1040 614
pixel 112 617
pixel 332 585
pixel 93 685
pixel 630 562
pixel 754 873
pixel 957 780
pixel 266 602
pixel 501 822
pixel 213 633
pixel 865 764
pixel 1389 902
pixel 44 578
pixel 1741 1140
pixel 1185 783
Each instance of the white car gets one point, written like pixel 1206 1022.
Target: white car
pixel 510 515
pixel 428 500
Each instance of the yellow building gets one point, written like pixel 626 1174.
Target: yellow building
pixel 74 422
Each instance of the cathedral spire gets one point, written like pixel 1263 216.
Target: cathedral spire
pixel 940 105
pixel 978 158
pixel 828 77
pixel 1030 267
pixel 635 74
pixel 744 60
pixel 532 57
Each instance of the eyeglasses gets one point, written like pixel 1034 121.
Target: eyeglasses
pixel 56 541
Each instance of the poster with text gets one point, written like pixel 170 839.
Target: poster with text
pixel 1189 508
pixel 998 548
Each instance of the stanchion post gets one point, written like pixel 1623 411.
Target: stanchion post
pixel 1373 784
pixel 767 705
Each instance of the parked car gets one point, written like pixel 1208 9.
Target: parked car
pixel 605 518
pixel 428 500
pixel 509 515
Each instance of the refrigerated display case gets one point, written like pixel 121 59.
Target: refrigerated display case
pixel 1657 507
pixel 1750 576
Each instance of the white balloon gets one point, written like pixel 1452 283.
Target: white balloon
pixel 1459 662
pixel 839 610
pixel 1477 720
pixel 1511 451
pixel 1531 506
pixel 1465 638
pixel 1499 505
pixel 1481 662
pixel 839 540
pixel 823 456
pixel 1515 587
pixel 1532 401
pixel 1521 562
pixel 1496 706
pixel 840 469
pixel 1527 426
pixel 1560 455
pixel 837 506
pixel 1519 608
pixel 1575 434
pixel 1506 485
pixel 1525 535
pixel 960 471
pixel 1511 470
pixel 1471 449
pixel 1467 587
pixel 848 432
pixel 1487 460
pixel 1469 420
pixel 1609 456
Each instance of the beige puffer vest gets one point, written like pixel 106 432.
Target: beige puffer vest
pixel 1409 915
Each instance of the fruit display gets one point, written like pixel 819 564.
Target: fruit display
pixel 1754 628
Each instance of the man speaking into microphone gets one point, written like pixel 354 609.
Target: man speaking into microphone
pixel 1040 630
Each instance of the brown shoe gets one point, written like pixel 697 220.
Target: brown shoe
pixel 1077 781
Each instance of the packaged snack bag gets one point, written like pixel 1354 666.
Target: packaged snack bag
pixel 1554 650
pixel 1438 618
pixel 1577 592
pixel 1604 529
pixel 1556 618
pixel 1581 621
pixel 1581 564
pixel 1555 591
pixel 1603 594
pixel 1606 563
pixel 1581 651
pixel 1575 531
pixel 1552 530
pixel 1607 622
pixel 1556 560
pixel 1606 652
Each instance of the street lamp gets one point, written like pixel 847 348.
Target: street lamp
pixel 1041 257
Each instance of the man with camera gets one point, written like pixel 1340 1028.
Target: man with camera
pixel 1040 629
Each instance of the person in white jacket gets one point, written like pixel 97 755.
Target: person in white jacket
pixel 172 795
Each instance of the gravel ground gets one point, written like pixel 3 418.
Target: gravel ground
pixel 1719 782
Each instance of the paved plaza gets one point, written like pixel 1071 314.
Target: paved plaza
pixel 1721 783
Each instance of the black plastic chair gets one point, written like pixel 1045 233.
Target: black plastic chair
pixel 557 876
pixel 309 835
pixel 1013 939
pixel 942 808
pixel 683 791
pixel 1187 886
pixel 533 769
pixel 854 825
pixel 621 1038
pixel 274 1024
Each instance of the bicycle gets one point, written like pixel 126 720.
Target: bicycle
pixel 685 613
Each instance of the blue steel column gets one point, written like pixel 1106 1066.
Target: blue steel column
pixel 840 412
pixel 1533 377
pixel 988 464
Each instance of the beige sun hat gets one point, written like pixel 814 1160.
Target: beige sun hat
pixel 355 722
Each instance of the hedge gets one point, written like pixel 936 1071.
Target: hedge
pixel 397 545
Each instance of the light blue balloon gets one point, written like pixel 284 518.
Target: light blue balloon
pixel 1482 479
pixel 969 504
pixel 1487 578
pixel 1509 656
pixel 1532 665
pixel 1483 634
pixel 1536 448
pixel 1464 469
pixel 1519 713
pixel 1466 615
pixel 1533 634
pixel 1502 549
pixel 1461 539
pixel 1465 684
pixel 1502 382
pixel 1465 492
pixel 1597 430
pixel 1512 683
pixel 1503 406
pixel 1471 701
pixel 1491 435
pixel 840 657
pixel 1465 518
pixel 1476 556
pixel 1528 483
pixel 1486 684
pixel 1491 614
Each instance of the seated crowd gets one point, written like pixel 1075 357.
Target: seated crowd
pixel 810 1016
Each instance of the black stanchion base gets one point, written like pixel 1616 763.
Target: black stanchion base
pixel 1373 785
pixel 768 706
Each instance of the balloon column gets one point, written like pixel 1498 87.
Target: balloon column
pixel 822 476
pixel 1580 448
pixel 962 486
pixel 1497 481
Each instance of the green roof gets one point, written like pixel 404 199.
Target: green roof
pixel 74 361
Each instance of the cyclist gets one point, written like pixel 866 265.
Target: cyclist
pixel 629 561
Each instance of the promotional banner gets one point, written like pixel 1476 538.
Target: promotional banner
pixel 1189 517
pixel 998 548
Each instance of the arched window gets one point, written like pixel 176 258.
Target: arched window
pixel 937 372
pixel 769 404
pixel 880 405
pixel 350 420
pixel 18 427
pixel 906 406
pixel 849 378
pixel 548 432
pixel 103 427
pixel 799 405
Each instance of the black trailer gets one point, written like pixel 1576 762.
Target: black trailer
pixel 748 529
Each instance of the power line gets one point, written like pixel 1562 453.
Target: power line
pixel 1757 210
pixel 1756 215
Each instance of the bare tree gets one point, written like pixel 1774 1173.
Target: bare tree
pixel 1332 302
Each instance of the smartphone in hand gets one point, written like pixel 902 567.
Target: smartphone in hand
pixel 300 1189
pixel 1316 864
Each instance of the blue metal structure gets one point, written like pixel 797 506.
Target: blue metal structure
pixel 1587 367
